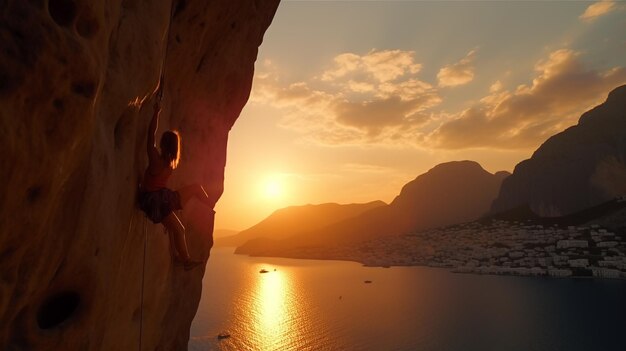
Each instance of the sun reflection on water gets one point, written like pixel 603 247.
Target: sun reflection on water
pixel 271 311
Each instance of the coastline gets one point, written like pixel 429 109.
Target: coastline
pixel 494 248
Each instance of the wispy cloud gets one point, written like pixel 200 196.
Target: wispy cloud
pixel 561 91
pixel 598 9
pixel 458 73
pixel 383 66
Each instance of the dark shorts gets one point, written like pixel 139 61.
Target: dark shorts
pixel 159 204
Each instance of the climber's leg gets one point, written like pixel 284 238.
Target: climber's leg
pixel 193 190
pixel 177 230
pixel 177 236
pixel 173 252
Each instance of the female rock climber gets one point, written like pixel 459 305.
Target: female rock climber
pixel 159 202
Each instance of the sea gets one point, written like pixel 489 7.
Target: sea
pixel 337 305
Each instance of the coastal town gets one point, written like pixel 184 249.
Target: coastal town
pixel 548 247
pixel 590 243
pixel 503 248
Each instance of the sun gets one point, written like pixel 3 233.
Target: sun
pixel 273 189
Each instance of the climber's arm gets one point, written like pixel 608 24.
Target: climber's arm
pixel 154 124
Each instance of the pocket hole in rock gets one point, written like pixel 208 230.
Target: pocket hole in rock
pixel 57 308
pixel 84 88
pixel 58 104
pixel 180 6
pixel 33 193
pixel 62 12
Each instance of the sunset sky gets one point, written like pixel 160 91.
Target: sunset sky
pixel 353 99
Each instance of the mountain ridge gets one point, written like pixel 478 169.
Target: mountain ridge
pixel 293 220
pixel 449 193
pixel 580 167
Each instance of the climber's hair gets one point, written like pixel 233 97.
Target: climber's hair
pixel 170 147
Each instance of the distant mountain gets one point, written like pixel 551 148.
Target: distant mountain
pixel 296 220
pixel 449 193
pixel 581 167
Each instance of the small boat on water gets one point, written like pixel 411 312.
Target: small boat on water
pixel 263 271
pixel 368 282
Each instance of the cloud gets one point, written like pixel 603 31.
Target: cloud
pixel 374 116
pixel 458 73
pixel 371 99
pixel 382 66
pixel 268 89
pixel 360 87
pixel 356 107
pixel 597 9
pixel 561 91
pixel 495 87
pixel 344 64
pixel 406 90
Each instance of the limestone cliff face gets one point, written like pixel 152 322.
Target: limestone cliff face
pixel 578 168
pixel 73 76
